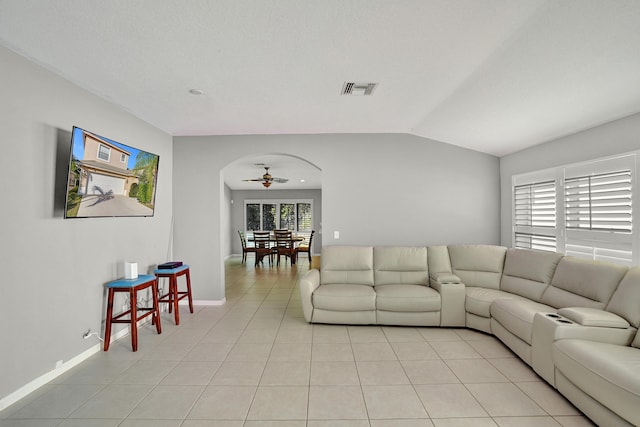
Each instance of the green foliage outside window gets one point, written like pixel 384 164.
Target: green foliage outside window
pixel 146 167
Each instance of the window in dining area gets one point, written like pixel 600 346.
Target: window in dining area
pixel 269 215
pixel 288 216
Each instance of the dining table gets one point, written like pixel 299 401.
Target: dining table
pixel 272 238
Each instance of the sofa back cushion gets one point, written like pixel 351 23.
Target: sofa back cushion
pixel 478 265
pixel 400 265
pixel 583 283
pixel 438 259
pixel 625 301
pixel 349 265
pixel 528 272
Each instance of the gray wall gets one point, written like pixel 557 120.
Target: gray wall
pixel 237 211
pixel 226 218
pixel 377 189
pixel 617 137
pixel 55 269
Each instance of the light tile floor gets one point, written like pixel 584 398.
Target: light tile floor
pixel 256 362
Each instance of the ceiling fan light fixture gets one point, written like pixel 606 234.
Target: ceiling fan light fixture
pixel 267 179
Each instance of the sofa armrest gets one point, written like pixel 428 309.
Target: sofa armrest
pixel 593 317
pixel 444 277
pixel 551 327
pixel 563 328
pixel 452 296
pixel 308 283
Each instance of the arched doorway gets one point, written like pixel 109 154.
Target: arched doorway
pixel 300 184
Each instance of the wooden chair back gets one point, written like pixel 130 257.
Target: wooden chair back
pixel 246 248
pixel 283 239
pixel 284 245
pixel 262 242
pixel 306 246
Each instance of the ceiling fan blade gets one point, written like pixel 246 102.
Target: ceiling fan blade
pixel 267 179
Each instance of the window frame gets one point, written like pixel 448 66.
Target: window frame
pixel 537 233
pixel 278 203
pixel 108 151
pixel 614 245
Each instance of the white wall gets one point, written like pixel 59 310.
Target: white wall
pixel 54 270
pixel 377 189
pixel 617 137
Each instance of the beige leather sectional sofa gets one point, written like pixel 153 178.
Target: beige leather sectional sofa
pixel 574 321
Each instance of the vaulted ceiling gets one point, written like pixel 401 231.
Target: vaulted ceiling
pixel 495 76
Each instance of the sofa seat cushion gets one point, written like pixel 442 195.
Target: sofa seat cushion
pixel 516 315
pixel 608 373
pixel 345 297
pixel 478 300
pixel 407 298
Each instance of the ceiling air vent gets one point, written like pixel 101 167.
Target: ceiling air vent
pixel 351 88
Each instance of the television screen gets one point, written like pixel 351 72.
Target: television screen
pixel 109 179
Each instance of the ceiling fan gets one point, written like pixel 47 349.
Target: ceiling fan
pixel 267 179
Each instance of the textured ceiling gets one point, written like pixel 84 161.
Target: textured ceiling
pixel 495 76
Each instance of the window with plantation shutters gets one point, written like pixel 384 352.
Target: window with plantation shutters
pixel 535 215
pixel 592 213
pixel 618 252
pixel 535 204
pixel 535 241
pixel 599 202
pixel 305 220
pixel 294 215
pixel 288 216
pixel 598 210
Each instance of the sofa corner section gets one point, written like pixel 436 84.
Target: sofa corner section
pixel 532 311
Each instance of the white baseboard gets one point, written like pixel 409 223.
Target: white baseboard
pixel 32 386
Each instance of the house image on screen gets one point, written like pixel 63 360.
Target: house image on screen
pixel 103 170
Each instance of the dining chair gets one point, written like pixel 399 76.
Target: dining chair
pixel 262 243
pixel 284 245
pixel 306 246
pixel 245 248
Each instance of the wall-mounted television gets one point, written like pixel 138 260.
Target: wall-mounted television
pixel 109 179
